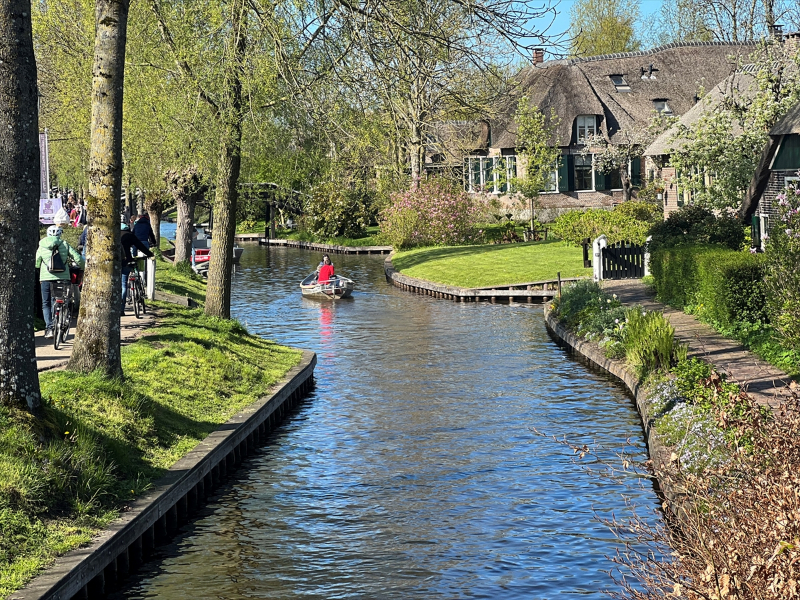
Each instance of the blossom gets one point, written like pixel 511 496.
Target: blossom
pixel 753 250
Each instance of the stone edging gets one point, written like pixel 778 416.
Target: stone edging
pixel 460 294
pixel 85 572
pixel 325 247
pixel 659 453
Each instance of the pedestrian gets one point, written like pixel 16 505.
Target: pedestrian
pixel 127 241
pixel 52 259
pixel 143 230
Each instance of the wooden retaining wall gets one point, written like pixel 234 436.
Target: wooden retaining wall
pixel 325 247
pixel 91 572
pixel 533 292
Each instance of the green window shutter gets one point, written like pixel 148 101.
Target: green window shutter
pixel 570 173
pixel 600 181
pixel 636 171
pixel 788 157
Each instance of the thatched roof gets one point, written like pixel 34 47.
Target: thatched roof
pixel 789 124
pixel 741 84
pixel 584 86
pixel 451 140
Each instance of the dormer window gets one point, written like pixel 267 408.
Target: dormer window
pixel 662 107
pixel 586 126
pixel 619 83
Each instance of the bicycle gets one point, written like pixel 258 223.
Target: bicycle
pixel 136 289
pixel 63 307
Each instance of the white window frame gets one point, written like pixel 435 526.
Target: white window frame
pixel 583 121
pixel 665 109
pixel 594 181
pixel 487 186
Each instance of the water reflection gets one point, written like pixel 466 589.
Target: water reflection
pixel 413 470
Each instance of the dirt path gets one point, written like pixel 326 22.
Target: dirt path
pixel 764 382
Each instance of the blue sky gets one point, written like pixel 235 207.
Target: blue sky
pixel 647 9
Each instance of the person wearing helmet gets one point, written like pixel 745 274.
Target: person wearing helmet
pixel 49 246
pixel 127 241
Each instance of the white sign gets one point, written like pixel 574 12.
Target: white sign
pixel 48 207
pixel 44 162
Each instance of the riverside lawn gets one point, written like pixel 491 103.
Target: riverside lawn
pixel 492 264
pixel 99 443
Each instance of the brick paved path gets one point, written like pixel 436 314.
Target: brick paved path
pixel 764 382
pixel 48 357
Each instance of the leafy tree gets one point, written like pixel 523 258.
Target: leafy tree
pixel 97 338
pixel 603 27
pixel 19 178
pixel 537 151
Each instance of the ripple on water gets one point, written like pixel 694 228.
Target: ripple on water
pixel 413 469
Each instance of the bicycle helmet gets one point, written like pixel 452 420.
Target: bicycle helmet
pixel 54 230
pixel 125 227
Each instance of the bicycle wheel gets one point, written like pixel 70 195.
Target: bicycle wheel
pixel 135 298
pixel 66 320
pixel 57 326
pixel 140 285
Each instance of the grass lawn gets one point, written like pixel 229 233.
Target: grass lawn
pixel 181 281
pixel 495 264
pixel 99 443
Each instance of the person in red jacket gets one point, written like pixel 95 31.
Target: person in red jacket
pixel 325 272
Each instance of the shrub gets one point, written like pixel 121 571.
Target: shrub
pixel 628 222
pixel 782 272
pixel 692 225
pixel 332 210
pixel 717 284
pixel 436 213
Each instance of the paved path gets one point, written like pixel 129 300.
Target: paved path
pixel 48 357
pixel 765 383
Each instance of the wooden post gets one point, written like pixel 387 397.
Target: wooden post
pixel 272 221
pixel 559 284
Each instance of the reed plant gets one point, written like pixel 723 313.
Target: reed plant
pixel 649 341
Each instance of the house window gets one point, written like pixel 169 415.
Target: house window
pixel 662 107
pixel 485 173
pixel 552 182
pixel 587 127
pixel 584 176
pixel 619 83
pixel 511 172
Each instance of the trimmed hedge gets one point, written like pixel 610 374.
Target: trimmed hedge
pixel 717 284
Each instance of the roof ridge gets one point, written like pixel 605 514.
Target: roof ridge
pixel 650 52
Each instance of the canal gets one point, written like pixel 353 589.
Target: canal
pixel 413 470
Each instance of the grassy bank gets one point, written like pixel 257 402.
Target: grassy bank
pixel 501 264
pixel 180 280
pixel 99 443
pixel 371 236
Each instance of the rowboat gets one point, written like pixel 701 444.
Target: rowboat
pixel 338 287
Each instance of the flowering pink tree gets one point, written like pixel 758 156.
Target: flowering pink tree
pixel 434 214
pixel 782 275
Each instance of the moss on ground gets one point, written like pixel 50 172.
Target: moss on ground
pixel 101 442
pixel 492 264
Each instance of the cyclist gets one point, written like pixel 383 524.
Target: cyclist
pixel 128 240
pixel 48 246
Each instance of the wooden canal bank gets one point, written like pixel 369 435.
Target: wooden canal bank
pixel 532 292
pixel 325 247
pixel 93 571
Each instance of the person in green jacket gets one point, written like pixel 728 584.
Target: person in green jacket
pixel 68 254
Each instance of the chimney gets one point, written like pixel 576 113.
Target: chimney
pixel 775 32
pixel 791 43
pixel 538 56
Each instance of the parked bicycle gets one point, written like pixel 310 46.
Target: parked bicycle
pixel 136 289
pixel 64 305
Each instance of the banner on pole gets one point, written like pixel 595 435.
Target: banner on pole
pixel 48 207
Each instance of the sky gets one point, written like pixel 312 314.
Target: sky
pixel 647 8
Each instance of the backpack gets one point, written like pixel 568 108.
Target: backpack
pixel 56 264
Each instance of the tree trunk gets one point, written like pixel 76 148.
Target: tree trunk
pixel 19 182
pixel 415 150
pixel 97 339
pixel 218 290
pixel 626 183
pixel 185 227
pixel 155 222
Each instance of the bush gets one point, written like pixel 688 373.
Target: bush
pixel 628 222
pixel 717 284
pixel 437 213
pixel 693 225
pixel 332 210
pixel 782 272
pixel 649 341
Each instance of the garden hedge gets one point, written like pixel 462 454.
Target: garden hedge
pixel 718 284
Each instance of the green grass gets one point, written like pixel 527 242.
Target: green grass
pixel 99 443
pixel 180 280
pixel 494 264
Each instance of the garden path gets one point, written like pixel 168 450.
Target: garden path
pixel 48 358
pixel 764 382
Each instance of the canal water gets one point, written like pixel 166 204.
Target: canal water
pixel 414 470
